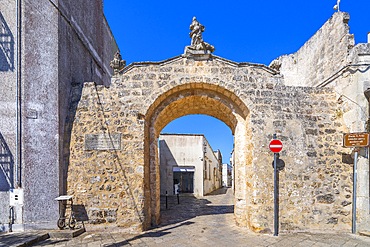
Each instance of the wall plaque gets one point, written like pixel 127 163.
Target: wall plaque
pixel 103 141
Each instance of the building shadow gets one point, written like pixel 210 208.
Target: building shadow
pixel 6 46
pixel 179 215
pixel 74 99
pixel 6 166
pixel 159 233
pixel 80 212
pixel 220 191
pixel 188 208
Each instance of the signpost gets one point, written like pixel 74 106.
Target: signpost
pixel 355 140
pixel 276 146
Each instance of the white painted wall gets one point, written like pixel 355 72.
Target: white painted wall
pixel 226 175
pixel 183 150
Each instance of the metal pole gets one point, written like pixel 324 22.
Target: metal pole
pixel 166 200
pixel 354 196
pixel 276 206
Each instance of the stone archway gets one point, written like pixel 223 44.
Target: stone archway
pixel 197 98
pixel 113 169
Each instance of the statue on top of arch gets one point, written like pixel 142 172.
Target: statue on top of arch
pixel 198 46
pixel 117 63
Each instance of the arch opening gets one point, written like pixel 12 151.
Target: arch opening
pixel 197 98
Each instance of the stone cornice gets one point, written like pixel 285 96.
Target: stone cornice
pixel 213 57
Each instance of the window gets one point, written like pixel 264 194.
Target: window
pixel 205 169
pixel 209 177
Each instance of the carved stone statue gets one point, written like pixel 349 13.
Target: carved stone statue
pixel 117 63
pixel 198 46
pixel 196 32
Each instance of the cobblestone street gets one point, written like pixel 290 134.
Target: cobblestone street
pixel 205 222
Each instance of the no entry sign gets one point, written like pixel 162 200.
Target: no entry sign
pixel 276 146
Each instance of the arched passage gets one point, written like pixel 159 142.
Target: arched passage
pixel 196 98
pixel 114 171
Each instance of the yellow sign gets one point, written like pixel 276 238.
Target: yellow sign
pixel 356 140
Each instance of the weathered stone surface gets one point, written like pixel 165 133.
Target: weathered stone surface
pixel 328 199
pixel 304 119
pixel 324 54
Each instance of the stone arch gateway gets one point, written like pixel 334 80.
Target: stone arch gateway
pixel 195 98
pixel 113 168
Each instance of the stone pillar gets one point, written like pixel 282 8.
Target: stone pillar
pixel 240 174
pixel 363 217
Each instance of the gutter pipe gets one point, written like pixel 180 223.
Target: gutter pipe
pixel 18 159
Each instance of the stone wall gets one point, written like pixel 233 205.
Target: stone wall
pixel 108 183
pixel 315 186
pixel 321 56
pixel 331 59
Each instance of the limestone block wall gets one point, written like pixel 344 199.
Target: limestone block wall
pixel 321 56
pixel 120 187
pixel 315 186
pixel 109 184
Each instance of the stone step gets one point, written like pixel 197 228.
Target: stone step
pixel 66 234
pixel 364 233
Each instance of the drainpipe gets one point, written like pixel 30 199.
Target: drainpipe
pixel 18 159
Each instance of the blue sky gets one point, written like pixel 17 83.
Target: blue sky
pixel 241 30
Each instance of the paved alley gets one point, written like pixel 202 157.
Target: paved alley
pixel 205 222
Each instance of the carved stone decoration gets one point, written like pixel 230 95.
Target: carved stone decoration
pixel 117 63
pixel 198 47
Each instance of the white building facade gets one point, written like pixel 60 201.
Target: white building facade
pixel 188 160
pixel 226 175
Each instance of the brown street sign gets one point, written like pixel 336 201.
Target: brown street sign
pixel 356 140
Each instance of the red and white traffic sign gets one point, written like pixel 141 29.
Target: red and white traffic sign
pixel 276 146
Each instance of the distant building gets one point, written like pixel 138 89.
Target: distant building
pixel 232 164
pixel 188 160
pixel 219 158
pixel 226 175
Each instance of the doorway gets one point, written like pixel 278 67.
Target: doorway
pixel 186 179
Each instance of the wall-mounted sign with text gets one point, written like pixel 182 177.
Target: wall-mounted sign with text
pixel 356 140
